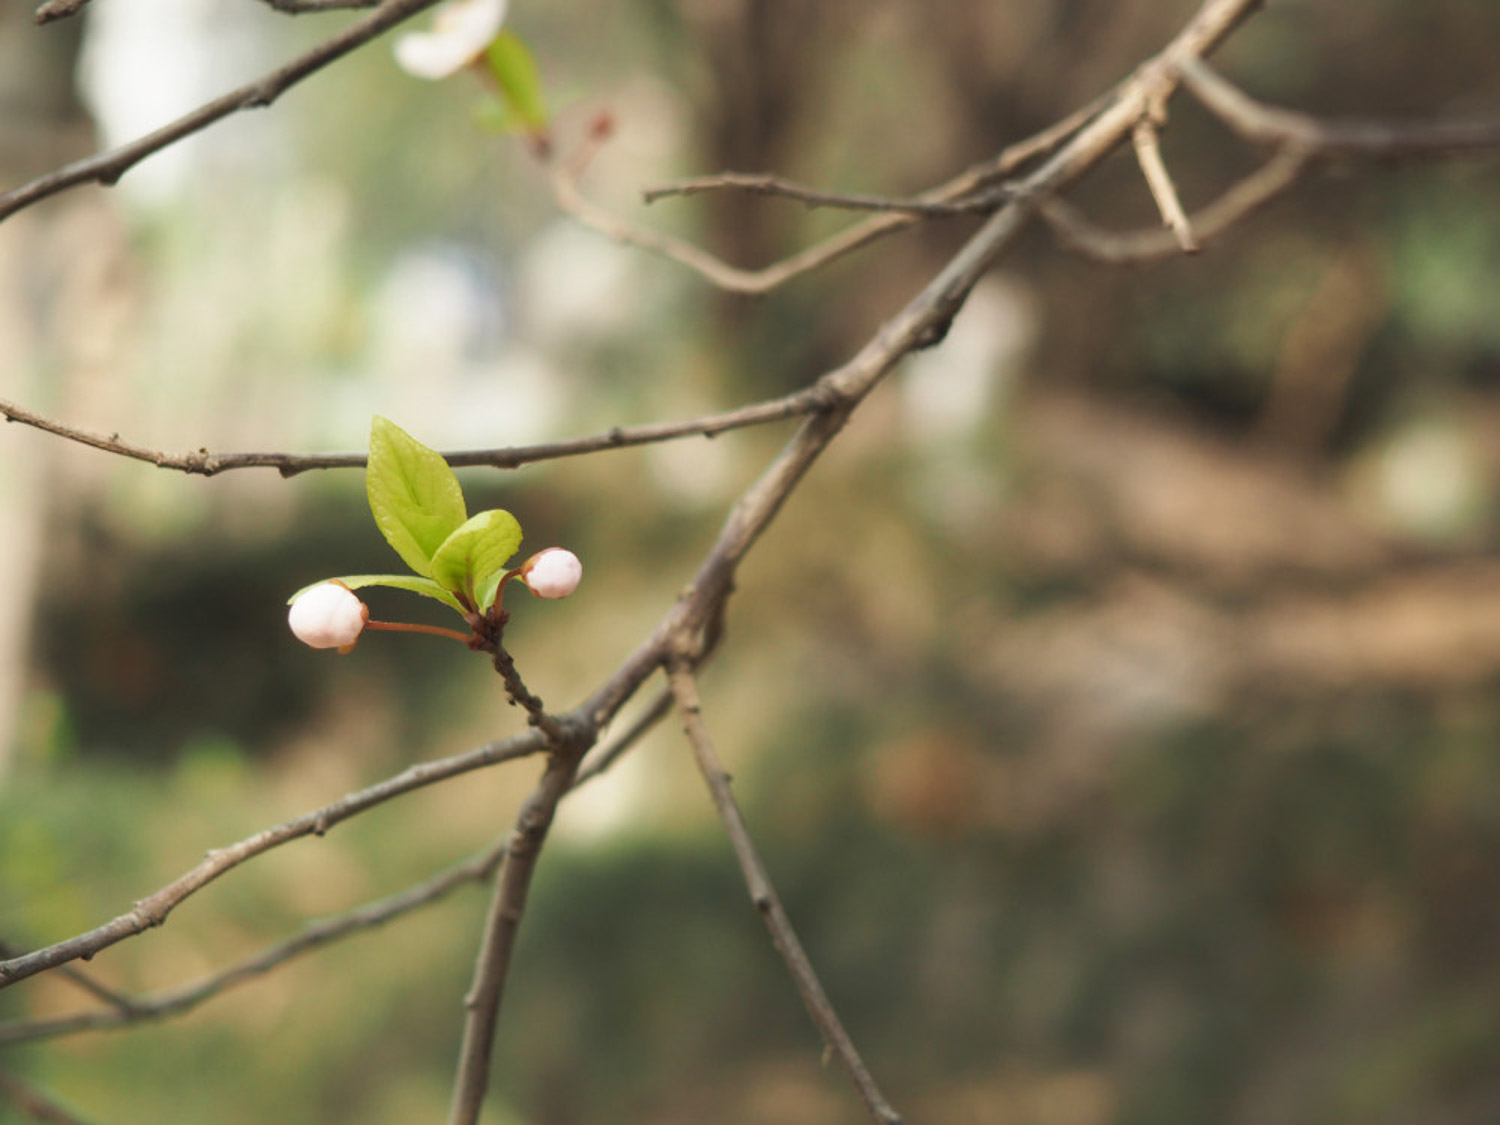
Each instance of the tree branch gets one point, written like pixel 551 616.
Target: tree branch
pixel 204 463
pixel 58 10
pixel 507 907
pixel 767 903
pixel 760 183
pixel 311 937
pixel 1159 180
pixel 152 910
pixel 1262 124
pixel 125 1010
pixel 35 1104
pixel 107 167
pixel 1079 235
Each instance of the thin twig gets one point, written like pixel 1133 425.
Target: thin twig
pixel 153 909
pixel 58 10
pixel 1116 248
pixel 86 981
pixel 1263 124
pixel 767 903
pixel 106 168
pixel 204 463
pixel 127 1010
pixel 502 923
pixel 35 1104
pixel 755 282
pixel 311 937
pixel 303 7
pixel 1159 180
pixel 760 183
pixel 519 694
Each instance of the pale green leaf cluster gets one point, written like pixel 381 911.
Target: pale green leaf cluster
pixel 419 507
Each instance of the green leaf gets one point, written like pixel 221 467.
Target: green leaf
pixel 476 551
pixel 414 495
pixel 424 586
pixel 514 69
pixel 485 591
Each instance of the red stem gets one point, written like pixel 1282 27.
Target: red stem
pixel 404 627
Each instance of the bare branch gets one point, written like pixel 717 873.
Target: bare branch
pixel 1262 124
pixel 81 979
pixel 507 907
pixel 58 10
pixel 759 281
pixel 35 1104
pixel 1159 180
pixel 152 910
pixel 126 1010
pixel 763 895
pixel 1077 234
pixel 758 183
pixel 107 167
pixel 204 463
pixel 311 937
pixel 303 7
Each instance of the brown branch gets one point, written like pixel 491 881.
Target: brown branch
pixel 204 463
pixel 152 910
pixel 753 282
pixel 1159 180
pixel 58 10
pixel 1079 235
pixel 767 903
pixel 760 183
pixel 503 922
pixel 163 1005
pixel 520 695
pixel 107 167
pixel 303 7
pixel 78 977
pixel 1262 124
pixel 126 1010
pixel 35 1104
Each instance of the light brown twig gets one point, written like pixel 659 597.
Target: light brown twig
pixel 1262 124
pixel 204 463
pixel 152 910
pixel 763 894
pixel 106 168
pixel 1116 248
pixel 1159 180
pixel 313 936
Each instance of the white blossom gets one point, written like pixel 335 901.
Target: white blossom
pixel 461 31
pixel 553 573
pixel 328 615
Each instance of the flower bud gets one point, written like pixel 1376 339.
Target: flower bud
pixel 462 31
pixel 328 615
pixel 553 573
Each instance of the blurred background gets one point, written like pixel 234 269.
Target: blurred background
pixel 1115 703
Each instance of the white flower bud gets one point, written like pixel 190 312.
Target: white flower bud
pixel 461 31
pixel 328 615
pixel 553 573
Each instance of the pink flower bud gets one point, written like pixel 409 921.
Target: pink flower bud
pixel 553 573
pixel 328 615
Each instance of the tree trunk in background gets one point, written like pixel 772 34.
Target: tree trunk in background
pixel 48 270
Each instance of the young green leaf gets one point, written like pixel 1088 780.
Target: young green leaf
pixel 414 496
pixel 514 70
pixel 476 551
pixel 424 586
